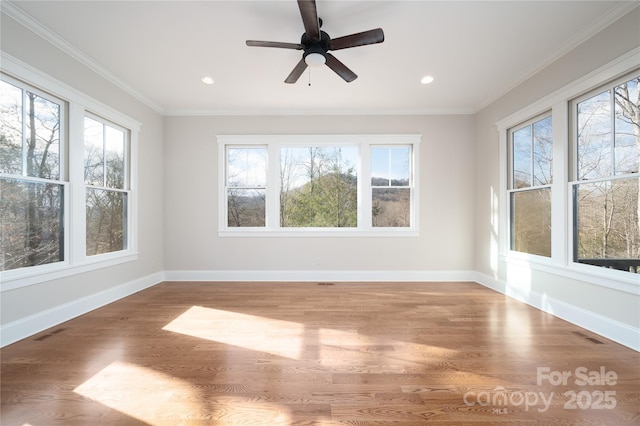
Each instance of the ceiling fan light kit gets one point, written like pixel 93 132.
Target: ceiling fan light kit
pixel 316 44
pixel 315 59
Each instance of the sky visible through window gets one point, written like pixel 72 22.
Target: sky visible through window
pixel 391 163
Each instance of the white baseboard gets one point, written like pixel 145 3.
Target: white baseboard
pixel 614 330
pixel 30 325
pixel 318 275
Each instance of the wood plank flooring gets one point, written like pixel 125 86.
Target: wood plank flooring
pixel 183 353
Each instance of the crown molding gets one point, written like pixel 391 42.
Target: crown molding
pixel 604 21
pixel 11 10
pixel 330 112
pixel 616 68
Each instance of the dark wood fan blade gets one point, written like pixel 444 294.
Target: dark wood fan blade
pixel 340 68
pixel 297 72
pixel 309 14
pixel 358 39
pixel 259 43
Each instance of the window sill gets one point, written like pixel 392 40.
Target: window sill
pixel 618 280
pixel 317 232
pixel 11 280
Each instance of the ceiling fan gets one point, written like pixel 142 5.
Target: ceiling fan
pixel 316 44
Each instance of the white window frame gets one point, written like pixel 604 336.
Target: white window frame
pixel 574 179
pixel 62 164
pixel 511 186
pixel 561 261
pixel 256 187
pixel 275 142
pixel 72 173
pixel 126 190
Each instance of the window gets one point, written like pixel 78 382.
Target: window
pixel 605 185
pixel 341 184
pixel 67 203
pixel 572 178
pixel 319 187
pixel 246 178
pixel 530 178
pixel 31 185
pixel 106 180
pixel 391 186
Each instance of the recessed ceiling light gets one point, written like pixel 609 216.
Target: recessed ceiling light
pixel 207 80
pixel 426 79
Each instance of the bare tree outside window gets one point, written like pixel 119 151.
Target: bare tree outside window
pixel 606 196
pixel 391 186
pixel 246 176
pixel 105 171
pixel 31 193
pixel 531 221
pixel 531 149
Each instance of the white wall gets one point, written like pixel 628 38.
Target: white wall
pixel 446 236
pixel 613 313
pixel 36 306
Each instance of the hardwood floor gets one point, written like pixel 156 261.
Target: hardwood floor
pixel 318 353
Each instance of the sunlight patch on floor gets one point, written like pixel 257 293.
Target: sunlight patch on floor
pixel 344 350
pixel 139 392
pixel 276 337
pixel 157 398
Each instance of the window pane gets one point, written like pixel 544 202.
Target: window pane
pixel 34 121
pixel 31 223
pixel 521 149
pixel 400 166
pixel 627 143
pixel 542 152
pixel 531 221
pixel 594 137
pixel 93 152
pixel 607 221
pixel 10 129
pixel 391 207
pixel 245 207
pixel 390 166
pixel 106 221
pixel 380 175
pixel 114 162
pixel 246 173
pixel 318 187
pixel 43 137
pixel 247 167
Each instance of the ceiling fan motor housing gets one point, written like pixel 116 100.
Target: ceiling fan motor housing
pixel 312 45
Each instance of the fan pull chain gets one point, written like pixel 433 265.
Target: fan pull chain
pixel 309 76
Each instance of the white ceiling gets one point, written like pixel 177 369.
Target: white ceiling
pixel 159 50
